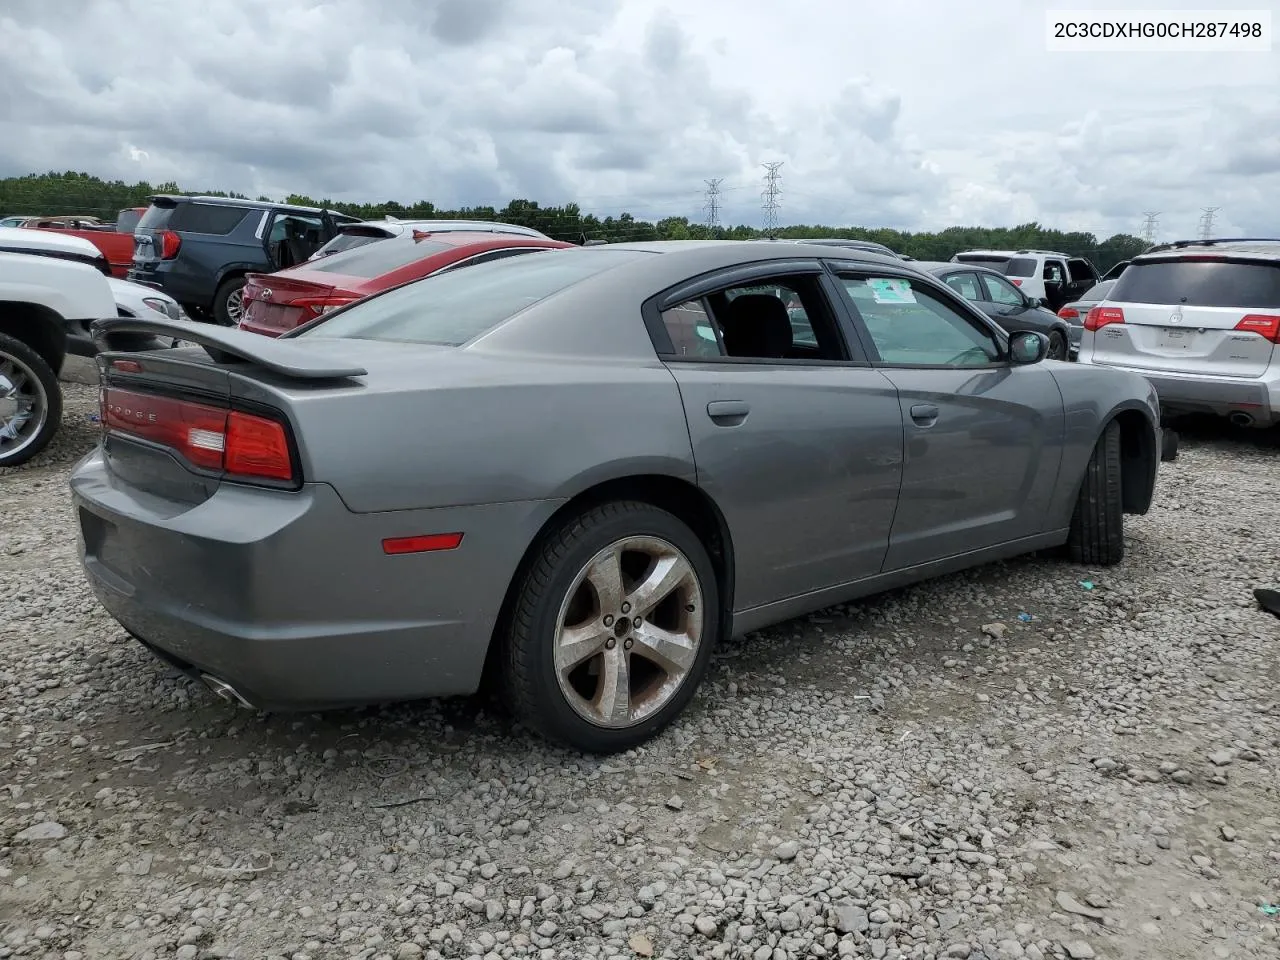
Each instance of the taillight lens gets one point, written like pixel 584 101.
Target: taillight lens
pixel 1067 313
pixel 1264 324
pixel 318 306
pixel 240 445
pixel 170 244
pixel 1100 317
pixel 1015 281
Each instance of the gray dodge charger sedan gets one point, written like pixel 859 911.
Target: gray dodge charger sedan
pixel 581 468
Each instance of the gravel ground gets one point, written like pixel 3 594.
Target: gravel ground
pixel 927 774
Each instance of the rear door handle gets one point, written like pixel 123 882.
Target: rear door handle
pixel 925 414
pixel 728 413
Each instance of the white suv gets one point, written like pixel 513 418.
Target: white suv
pixel 1044 275
pixel 1200 320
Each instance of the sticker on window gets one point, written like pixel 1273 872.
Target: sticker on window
pixel 891 290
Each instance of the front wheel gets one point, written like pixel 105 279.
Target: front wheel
pixel 1097 526
pixel 30 402
pixel 611 629
pixel 1057 346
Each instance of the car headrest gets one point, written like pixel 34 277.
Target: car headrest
pixel 757 325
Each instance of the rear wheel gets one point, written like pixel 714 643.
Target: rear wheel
pixel 612 628
pixel 1097 526
pixel 228 302
pixel 30 402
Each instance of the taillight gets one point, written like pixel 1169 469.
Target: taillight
pixel 170 244
pixel 318 306
pixel 1261 323
pixel 1068 313
pixel 237 444
pixel 1015 281
pixel 1100 317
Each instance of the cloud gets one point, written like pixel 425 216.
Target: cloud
pixel 910 115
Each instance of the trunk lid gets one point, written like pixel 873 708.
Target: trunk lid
pixel 279 302
pixel 1201 315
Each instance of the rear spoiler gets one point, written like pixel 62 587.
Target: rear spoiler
pixel 228 345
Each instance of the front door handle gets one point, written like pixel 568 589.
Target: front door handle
pixel 728 413
pixel 925 414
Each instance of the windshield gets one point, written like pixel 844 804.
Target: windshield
pixel 1200 283
pixel 454 307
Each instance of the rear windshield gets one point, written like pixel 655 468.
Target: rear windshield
pixel 157 217
pixel 1020 267
pixel 209 218
pixel 995 263
pixel 453 307
pixel 350 239
pixel 373 257
pixel 1200 284
pixel 127 221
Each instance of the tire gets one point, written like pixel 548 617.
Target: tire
pixel 1058 348
pixel 226 302
pixel 37 390
pixel 558 702
pixel 1168 445
pixel 1097 526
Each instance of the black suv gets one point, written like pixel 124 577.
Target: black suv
pixel 198 249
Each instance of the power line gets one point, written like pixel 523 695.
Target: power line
pixel 772 190
pixel 713 203
pixel 1149 227
pixel 1206 222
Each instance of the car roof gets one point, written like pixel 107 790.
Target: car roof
pixel 949 266
pixel 396 226
pixel 176 198
pixel 1260 248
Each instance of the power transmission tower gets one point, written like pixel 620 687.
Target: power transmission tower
pixel 1149 228
pixel 772 191
pixel 1206 222
pixel 713 205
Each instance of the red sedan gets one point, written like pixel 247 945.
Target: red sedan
pixel 276 303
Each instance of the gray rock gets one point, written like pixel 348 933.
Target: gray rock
pixel 705 926
pixel 847 917
pixel 787 850
pixel 49 830
pixel 1069 904
pixel 675 802
pixel 1221 758
pixel 1079 950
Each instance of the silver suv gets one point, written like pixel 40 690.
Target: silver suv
pixel 1200 320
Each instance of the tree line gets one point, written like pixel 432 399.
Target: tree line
pixel 54 194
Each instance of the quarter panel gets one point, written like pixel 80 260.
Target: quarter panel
pixel 450 427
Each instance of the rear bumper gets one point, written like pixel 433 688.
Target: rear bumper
pixel 1220 396
pixel 289 598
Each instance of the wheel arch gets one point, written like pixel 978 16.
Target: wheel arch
pixel 40 327
pixel 679 497
pixel 1139 457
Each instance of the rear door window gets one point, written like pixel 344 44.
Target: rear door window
pixel 965 284
pixel 456 306
pixel 1001 291
pixel 157 217
pixel 1201 283
pixel 1020 267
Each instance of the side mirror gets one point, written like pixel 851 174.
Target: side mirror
pixel 1028 347
pixel 1042 302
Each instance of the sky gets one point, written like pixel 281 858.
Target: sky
pixel 912 114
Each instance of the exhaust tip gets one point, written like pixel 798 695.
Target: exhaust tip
pixel 1241 419
pixel 225 690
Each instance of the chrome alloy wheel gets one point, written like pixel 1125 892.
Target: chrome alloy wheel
pixel 628 631
pixel 24 406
